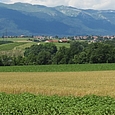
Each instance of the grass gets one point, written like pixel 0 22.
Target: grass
pixel 10 46
pixel 16 48
pixel 59 68
pixel 14 39
pixel 60 83
pixel 67 45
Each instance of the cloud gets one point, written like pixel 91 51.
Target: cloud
pixel 84 4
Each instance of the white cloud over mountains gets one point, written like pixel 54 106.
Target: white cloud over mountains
pixel 84 4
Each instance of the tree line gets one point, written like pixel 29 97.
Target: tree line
pixel 77 53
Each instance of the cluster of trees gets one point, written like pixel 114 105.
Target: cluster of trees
pixel 77 53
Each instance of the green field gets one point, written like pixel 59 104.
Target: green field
pixel 67 45
pixel 14 39
pixel 15 48
pixel 11 46
pixel 29 104
pixel 59 68
pixel 19 44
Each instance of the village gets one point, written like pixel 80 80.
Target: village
pixel 65 39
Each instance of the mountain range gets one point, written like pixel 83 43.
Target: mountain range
pixel 28 19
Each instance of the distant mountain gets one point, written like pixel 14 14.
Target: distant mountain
pixel 24 18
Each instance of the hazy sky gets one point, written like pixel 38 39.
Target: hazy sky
pixel 84 4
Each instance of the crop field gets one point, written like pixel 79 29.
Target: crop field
pixel 57 93
pixel 29 104
pixel 16 48
pixel 14 39
pixel 18 45
pixel 85 89
pixel 59 68
pixel 10 46
pixel 60 83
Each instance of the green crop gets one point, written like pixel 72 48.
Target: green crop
pixel 30 104
pixel 58 68
pixel 10 46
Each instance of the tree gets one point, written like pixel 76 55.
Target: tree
pixel 61 56
pixel 40 54
pixel 101 53
pixel 6 60
pixel 43 58
pixel 76 48
pixel 81 58
pixel 33 50
pixel 1 64
pixel 18 60
pixel 50 47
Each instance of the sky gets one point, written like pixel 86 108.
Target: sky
pixel 83 4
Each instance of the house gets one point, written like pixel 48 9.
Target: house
pixel 63 41
pixel 51 41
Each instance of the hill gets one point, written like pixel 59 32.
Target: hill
pixel 28 19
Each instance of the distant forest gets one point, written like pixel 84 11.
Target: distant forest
pixel 77 53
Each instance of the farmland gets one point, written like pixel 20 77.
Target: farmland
pixel 60 83
pixel 59 68
pixel 18 45
pixel 10 46
pixel 29 104
pixel 57 93
pixel 59 79
pixel 71 89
